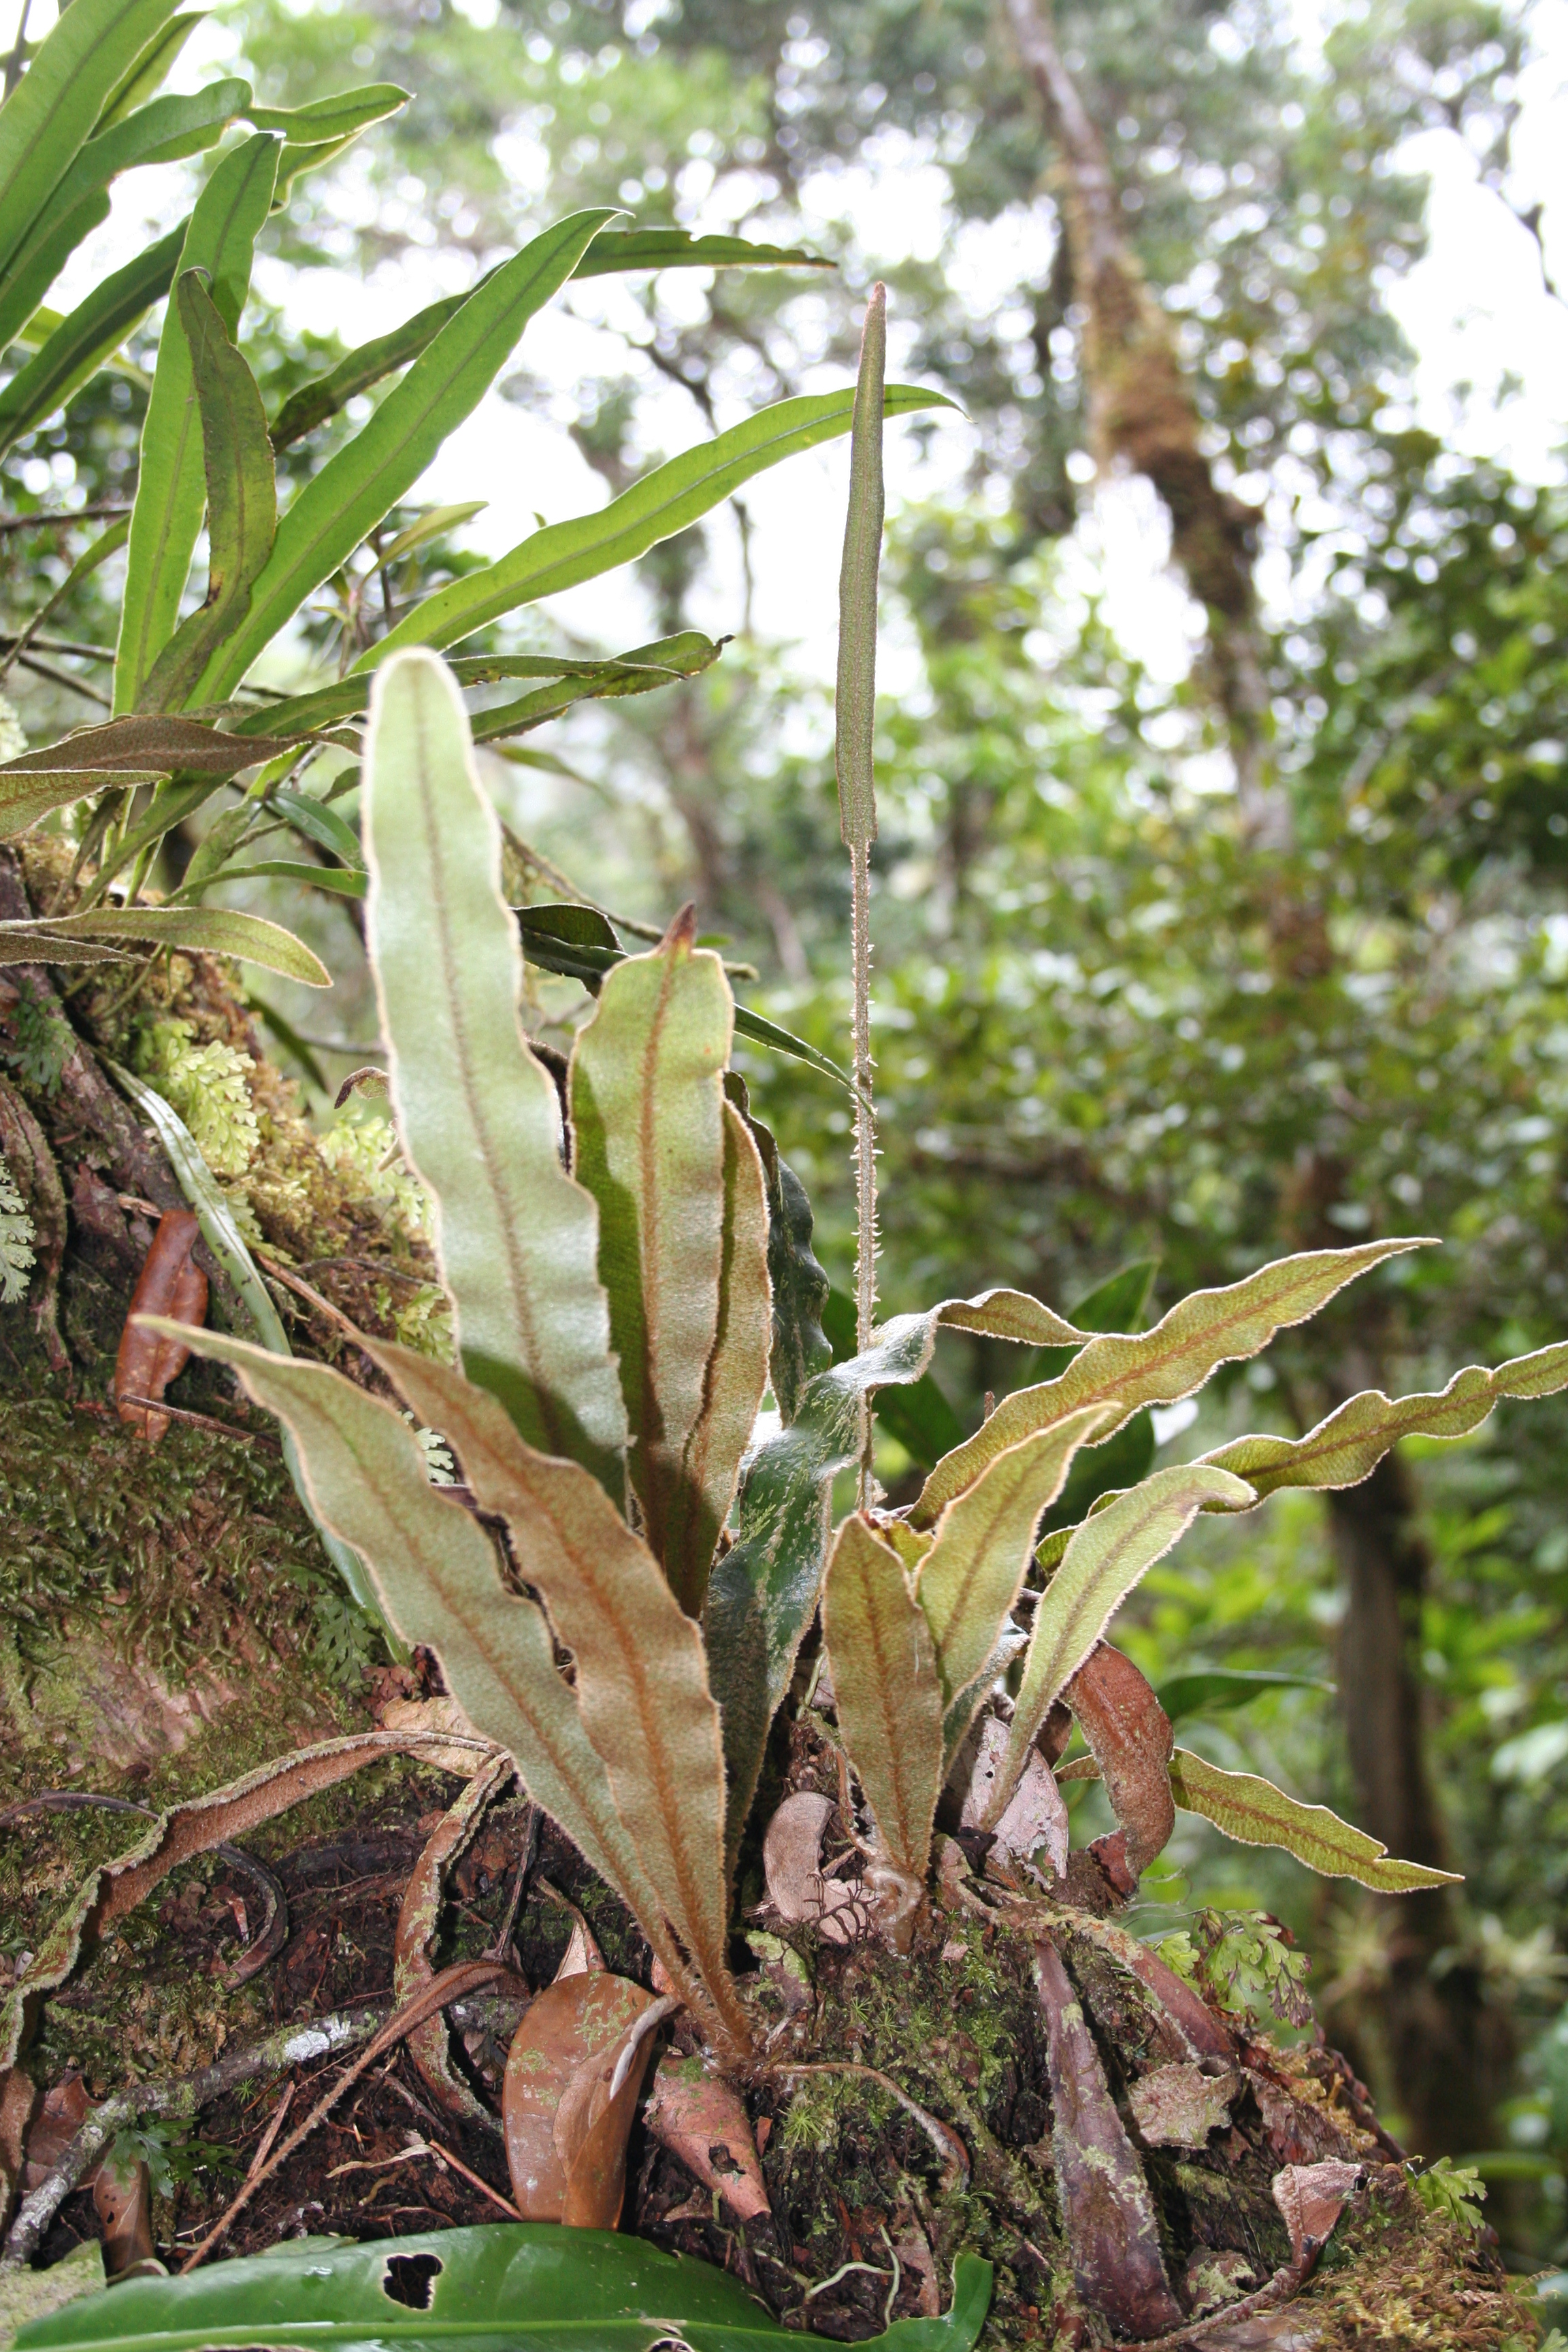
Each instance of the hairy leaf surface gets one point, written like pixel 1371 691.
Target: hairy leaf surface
pixel 886 1689
pixel 1255 1813
pixel 212 930
pixel 478 1116
pixel 1208 1329
pixel 648 1117
pixel 1105 1559
pixel 642 1679
pixel 439 1581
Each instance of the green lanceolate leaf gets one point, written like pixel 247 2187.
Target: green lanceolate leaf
pixel 1106 1469
pixel 887 1690
pixel 648 1118
pixel 685 656
pixel 797 1283
pixel 317 823
pixel 641 1680
pixel 478 1116
pixel 211 930
pixel 242 497
pixel 667 500
pixel 636 673
pixel 762 1592
pixel 330 120
pixel 342 505
pixel 1255 1813
pixel 617 249
pixel 1107 1557
pixel 54 109
pixel 854 704
pixel 129 751
pixel 535 2285
pixel 1209 1329
pixel 87 338
pixel 612 251
pixel 163 132
pixel 150 68
pixel 171 491
pixel 1348 1447
pixel 985 1540
pixel 439 1581
pixel 228 1244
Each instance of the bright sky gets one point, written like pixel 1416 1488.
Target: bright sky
pixel 1491 375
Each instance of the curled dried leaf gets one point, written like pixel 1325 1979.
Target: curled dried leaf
pixel 418 1926
pixel 565 2116
pixel 1310 2198
pixel 1036 1816
pixel 1178 2106
pixel 697 2116
pixel 368 1080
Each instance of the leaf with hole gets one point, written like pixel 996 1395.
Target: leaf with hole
pixel 532 2285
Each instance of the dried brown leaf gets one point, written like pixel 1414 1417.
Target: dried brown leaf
pixel 791 1863
pixel 418 1928
pixel 1129 1736
pixel 560 2124
pixel 696 2114
pixel 1178 2106
pixel 1036 1815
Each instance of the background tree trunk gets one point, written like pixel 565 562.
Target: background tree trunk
pixel 1442 2044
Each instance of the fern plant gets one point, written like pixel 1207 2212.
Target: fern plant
pixel 630 1268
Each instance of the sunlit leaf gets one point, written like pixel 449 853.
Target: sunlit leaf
pixel 212 930
pixel 88 338
pixel 171 489
pixel 478 1116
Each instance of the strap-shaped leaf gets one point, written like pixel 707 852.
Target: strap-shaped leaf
pixel 87 338
pixel 648 1118
pixel 242 497
pixel 734 1378
pixel 329 119
pixel 171 489
pixel 162 132
pixel 478 1116
pixel 764 1591
pixel 612 251
pixel 641 1677
pixel 212 930
pixel 887 1690
pixel 1255 1813
pixel 1208 1329
pixel 46 119
pixel 150 68
pixel 1347 1447
pixel 798 1284
pixel 341 505
pixel 637 673
pixel 154 745
pixel 439 1581
pixel 667 500
pixel 616 249
pixel 1107 1557
pixel 974 1569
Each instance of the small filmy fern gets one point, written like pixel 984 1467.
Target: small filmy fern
pixel 17 1238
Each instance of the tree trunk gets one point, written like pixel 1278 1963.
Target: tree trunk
pixel 1441 2041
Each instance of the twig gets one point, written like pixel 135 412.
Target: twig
pixel 71 514
pixel 274 2126
pixel 203 1421
pixel 63 677
pixel 443 2156
pixel 183 2099
pixel 843 2272
pixel 466 1976
pixel 59 646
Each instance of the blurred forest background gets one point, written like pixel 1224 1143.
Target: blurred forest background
pixel 1222 889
